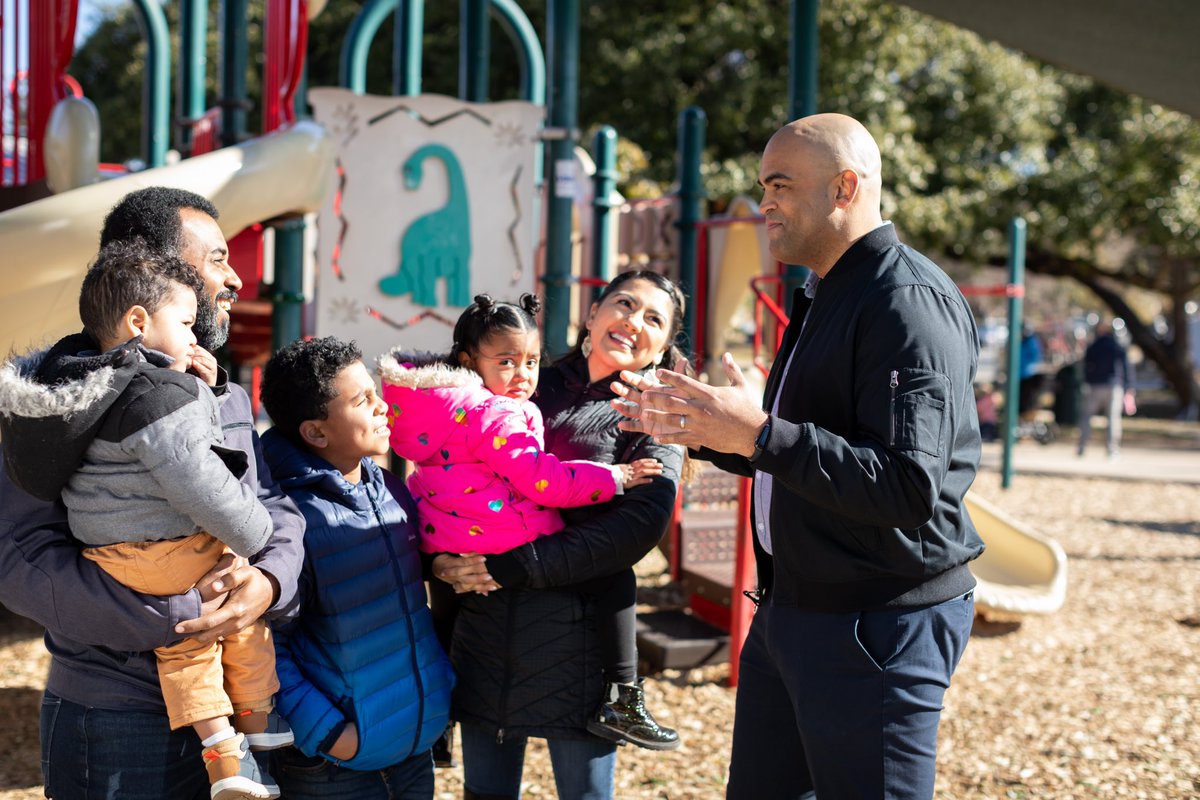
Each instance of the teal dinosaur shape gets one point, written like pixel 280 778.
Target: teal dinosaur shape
pixel 438 244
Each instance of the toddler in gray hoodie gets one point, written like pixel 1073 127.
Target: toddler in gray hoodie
pixel 114 422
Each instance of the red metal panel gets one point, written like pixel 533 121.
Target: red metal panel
pixel 204 132
pixel 285 45
pixel 675 537
pixel 246 258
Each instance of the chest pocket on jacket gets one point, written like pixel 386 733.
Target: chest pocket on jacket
pixel 918 410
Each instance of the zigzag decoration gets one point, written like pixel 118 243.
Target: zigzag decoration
pixel 428 313
pixel 432 123
pixel 336 258
pixel 512 235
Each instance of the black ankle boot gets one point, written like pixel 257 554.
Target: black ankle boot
pixel 623 717
pixel 443 748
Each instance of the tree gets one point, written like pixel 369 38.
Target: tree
pixel 971 133
pixel 110 67
pixel 1116 208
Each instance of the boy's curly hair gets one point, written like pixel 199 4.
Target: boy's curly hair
pixel 297 383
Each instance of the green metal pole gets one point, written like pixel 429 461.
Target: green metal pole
pixel 1016 310
pixel 193 61
pixel 234 58
pixel 562 22
pixel 156 129
pixel 803 60
pixel 288 292
pixel 530 59
pixel 352 72
pixel 604 200
pixel 300 101
pixel 475 45
pixel 407 48
pixel 352 66
pixel 692 124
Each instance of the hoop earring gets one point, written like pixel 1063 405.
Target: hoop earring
pixel 585 346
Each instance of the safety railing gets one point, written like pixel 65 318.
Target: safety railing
pixel 762 301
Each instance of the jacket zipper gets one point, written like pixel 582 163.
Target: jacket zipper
pixel 412 638
pixel 509 624
pixel 892 417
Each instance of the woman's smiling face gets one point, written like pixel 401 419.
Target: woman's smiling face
pixel 629 329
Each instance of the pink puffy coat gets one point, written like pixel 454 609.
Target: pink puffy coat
pixel 483 483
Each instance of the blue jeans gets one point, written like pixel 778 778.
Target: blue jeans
pixel 301 777
pixel 96 754
pixel 583 768
pixel 846 705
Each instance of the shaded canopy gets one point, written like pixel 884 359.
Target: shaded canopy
pixel 1148 48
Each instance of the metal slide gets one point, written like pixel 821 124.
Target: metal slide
pixel 1021 571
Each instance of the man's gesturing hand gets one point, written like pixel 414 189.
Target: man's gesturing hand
pixel 676 409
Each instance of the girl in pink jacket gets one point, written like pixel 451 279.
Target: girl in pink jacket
pixel 483 482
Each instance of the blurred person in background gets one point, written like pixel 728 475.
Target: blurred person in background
pixel 1108 387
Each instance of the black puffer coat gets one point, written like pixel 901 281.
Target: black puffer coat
pixel 526 656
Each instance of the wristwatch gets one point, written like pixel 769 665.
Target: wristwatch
pixel 760 441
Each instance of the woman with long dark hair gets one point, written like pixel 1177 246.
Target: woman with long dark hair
pixel 526 654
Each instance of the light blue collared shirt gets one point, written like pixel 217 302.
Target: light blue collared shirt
pixel 762 480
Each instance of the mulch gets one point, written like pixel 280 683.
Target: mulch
pixel 1101 699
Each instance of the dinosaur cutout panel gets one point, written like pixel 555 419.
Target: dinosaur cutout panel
pixel 437 244
pixel 435 203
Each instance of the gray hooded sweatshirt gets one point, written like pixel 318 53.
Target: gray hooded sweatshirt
pixel 134 449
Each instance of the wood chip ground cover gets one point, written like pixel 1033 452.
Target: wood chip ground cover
pixel 1100 700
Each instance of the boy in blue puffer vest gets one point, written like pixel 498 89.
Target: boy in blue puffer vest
pixel 364 683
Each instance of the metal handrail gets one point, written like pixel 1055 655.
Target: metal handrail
pixel 508 14
pixel 763 300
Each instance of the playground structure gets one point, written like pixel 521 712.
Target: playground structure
pixel 262 179
pixel 264 186
pixel 49 140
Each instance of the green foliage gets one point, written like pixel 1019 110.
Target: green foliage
pixel 110 68
pixel 971 133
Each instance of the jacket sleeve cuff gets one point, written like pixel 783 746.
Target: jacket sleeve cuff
pixel 181 607
pixel 507 570
pixel 427 565
pixel 222 385
pixel 783 443
pixel 330 740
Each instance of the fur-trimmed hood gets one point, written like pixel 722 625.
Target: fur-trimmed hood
pixel 422 391
pixel 411 369
pixel 483 478
pixel 52 403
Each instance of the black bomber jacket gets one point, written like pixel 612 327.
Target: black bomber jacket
pixel 876 439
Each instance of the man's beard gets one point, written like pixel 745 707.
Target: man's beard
pixel 211 331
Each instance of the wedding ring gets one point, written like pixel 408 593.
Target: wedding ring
pixel 682 421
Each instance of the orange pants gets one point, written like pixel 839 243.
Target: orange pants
pixel 199 681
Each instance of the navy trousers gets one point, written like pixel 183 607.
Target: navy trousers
pixel 844 705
